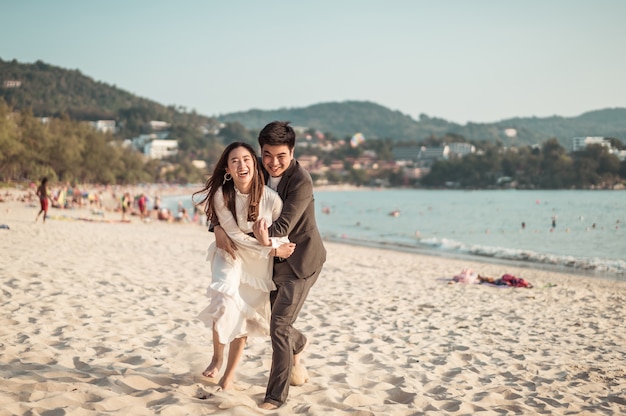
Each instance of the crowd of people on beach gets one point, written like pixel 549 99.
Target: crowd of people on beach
pixel 103 201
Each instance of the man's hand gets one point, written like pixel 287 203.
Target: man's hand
pixel 285 250
pixel 223 241
pixel 260 232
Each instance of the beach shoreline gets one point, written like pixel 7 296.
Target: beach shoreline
pixel 100 317
pixel 476 258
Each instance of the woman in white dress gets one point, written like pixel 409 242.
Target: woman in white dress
pixel 236 198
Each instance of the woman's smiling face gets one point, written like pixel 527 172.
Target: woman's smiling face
pixel 242 167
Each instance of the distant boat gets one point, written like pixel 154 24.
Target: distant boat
pixel 395 213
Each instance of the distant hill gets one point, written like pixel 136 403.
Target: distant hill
pixel 375 121
pixel 50 90
pixel 346 118
pixel 610 122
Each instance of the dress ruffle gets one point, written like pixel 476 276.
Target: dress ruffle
pixel 239 300
pixel 232 316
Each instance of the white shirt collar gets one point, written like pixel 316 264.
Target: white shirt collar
pixel 273 182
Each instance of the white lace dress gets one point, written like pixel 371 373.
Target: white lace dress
pixel 239 290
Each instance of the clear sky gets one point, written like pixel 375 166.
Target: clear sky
pixel 461 60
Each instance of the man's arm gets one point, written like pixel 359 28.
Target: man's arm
pixel 295 203
pixel 224 242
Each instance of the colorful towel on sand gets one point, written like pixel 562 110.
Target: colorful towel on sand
pixel 510 280
pixel 506 280
pixel 469 276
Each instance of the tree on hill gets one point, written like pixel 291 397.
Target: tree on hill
pixel 48 90
pixel 547 167
pixel 65 150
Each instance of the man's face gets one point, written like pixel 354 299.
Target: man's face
pixel 276 159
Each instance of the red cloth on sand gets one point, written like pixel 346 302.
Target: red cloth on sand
pixel 510 280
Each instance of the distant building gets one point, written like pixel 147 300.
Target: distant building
pixel 580 143
pixel 336 166
pixel 10 83
pixel 308 162
pixel 213 129
pixel 510 132
pixel 405 155
pixel 424 157
pixel 621 154
pixel 299 130
pixel 365 162
pixel 140 141
pixel 104 126
pixel 414 173
pixel 429 155
pixel 199 164
pixel 461 149
pixel 158 149
pixel 155 126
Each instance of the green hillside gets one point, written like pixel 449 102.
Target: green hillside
pixel 51 91
pixel 346 118
pixel 375 121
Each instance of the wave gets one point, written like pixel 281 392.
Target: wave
pixel 606 268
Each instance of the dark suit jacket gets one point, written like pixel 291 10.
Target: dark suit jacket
pixel 297 221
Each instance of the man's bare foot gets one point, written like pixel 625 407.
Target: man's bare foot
pixel 213 369
pixel 296 357
pixel 298 376
pixel 268 406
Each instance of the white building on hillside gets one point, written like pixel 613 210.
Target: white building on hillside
pixel 104 126
pixel 429 155
pixel 9 83
pixel 579 143
pixel 158 149
pixel 156 125
pixel 461 149
pixel 140 141
pixel 405 155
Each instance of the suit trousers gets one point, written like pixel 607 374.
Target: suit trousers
pixel 286 301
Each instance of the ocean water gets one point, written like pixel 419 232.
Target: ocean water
pixel 589 235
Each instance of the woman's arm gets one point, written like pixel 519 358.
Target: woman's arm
pixel 230 226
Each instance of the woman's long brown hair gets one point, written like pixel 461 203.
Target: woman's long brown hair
pixel 228 187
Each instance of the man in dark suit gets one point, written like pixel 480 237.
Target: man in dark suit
pixel 295 275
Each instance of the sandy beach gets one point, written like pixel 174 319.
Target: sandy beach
pixel 99 317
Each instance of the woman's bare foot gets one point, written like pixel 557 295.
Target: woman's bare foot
pixel 226 383
pixel 213 369
pixel 268 406
pixel 296 357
